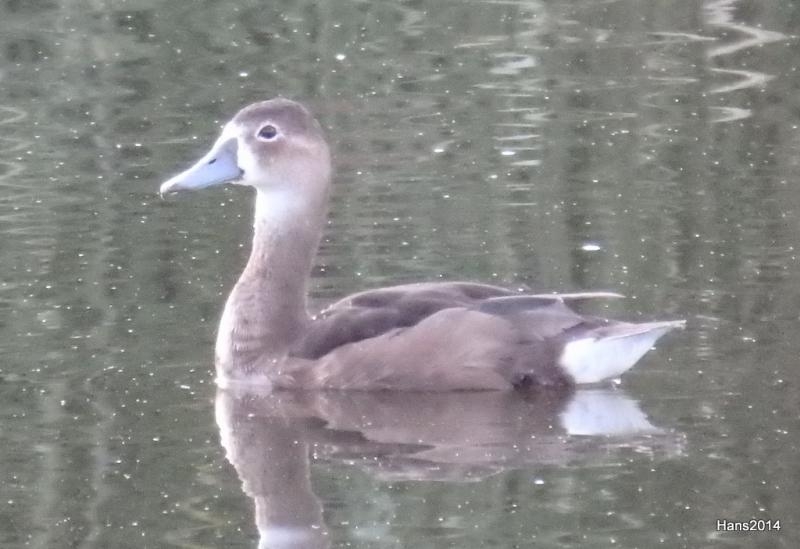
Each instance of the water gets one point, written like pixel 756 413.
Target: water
pixel 644 147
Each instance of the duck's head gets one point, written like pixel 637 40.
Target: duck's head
pixel 274 145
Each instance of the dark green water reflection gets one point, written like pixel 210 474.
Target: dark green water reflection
pixel 646 147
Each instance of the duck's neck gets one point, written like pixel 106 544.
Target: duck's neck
pixel 266 310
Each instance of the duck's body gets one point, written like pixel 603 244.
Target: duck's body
pixel 428 336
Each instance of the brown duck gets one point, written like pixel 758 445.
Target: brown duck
pixel 444 336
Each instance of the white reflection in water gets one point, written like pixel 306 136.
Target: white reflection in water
pixel 730 114
pixel 513 63
pixel 749 79
pixel 721 14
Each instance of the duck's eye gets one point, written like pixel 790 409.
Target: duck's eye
pixel 268 132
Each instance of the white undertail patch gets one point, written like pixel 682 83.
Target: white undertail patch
pixel 593 359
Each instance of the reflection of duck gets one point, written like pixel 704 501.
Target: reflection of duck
pixel 454 437
pixel 271 457
pixel 432 336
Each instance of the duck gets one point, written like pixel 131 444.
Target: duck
pixel 426 336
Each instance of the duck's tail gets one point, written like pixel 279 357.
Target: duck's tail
pixel 611 350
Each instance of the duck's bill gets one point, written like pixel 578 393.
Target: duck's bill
pixel 219 166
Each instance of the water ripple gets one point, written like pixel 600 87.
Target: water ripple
pixel 11 115
pixel 730 114
pixel 513 63
pixel 749 79
pixel 720 14
pixel 680 37
pixel 10 168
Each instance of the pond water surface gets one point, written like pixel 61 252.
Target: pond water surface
pixel 646 147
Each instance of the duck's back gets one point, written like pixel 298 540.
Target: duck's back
pixel 445 336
